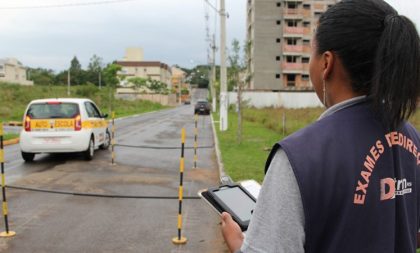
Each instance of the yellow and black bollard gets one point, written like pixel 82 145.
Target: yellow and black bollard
pixel 195 140
pixel 7 233
pixel 113 140
pixel 180 239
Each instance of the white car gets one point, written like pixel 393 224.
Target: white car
pixel 63 125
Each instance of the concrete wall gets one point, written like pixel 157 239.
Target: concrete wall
pixel 277 99
pixel 169 100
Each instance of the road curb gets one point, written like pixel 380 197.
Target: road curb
pixel 222 172
pixel 11 142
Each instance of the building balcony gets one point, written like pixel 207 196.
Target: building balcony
pixel 294 66
pixel 297 49
pixel 293 13
pixel 299 31
pixel 319 7
pixel 293 49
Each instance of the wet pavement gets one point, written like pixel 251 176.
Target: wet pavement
pixel 47 222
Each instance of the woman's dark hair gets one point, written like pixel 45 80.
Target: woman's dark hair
pixel 380 51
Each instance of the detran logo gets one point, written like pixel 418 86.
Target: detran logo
pixel 391 187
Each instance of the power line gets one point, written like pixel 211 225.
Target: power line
pixel 102 2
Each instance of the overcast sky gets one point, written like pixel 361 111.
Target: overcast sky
pixel 171 31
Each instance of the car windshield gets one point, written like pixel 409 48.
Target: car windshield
pixel 53 110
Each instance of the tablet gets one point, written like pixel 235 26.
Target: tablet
pixel 233 199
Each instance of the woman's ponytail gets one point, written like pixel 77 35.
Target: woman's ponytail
pixel 395 86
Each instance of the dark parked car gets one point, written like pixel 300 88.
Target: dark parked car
pixel 202 107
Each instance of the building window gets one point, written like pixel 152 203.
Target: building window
pixel 305 60
pixel 278 22
pixel 292 23
pixel 278 4
pixel 277 58
pixel 292 41
pixel 291 58
pixel 277 76
pixel 278 40
pixel 291 80
pixel 306 24
pixel 307 6
pixel 306 42
pixel 292 5
pixel 305 77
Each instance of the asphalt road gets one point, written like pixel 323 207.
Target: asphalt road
pixel 46 222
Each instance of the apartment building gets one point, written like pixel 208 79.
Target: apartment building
pixel 178 79
pixel 133 65
pixel 13 71
pixel 280 34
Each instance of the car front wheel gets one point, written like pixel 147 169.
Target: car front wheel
pixel 89 152
pixel 28 157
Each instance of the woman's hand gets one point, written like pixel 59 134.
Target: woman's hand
pixel 231 232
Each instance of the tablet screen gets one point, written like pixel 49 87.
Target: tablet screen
pixel 238 201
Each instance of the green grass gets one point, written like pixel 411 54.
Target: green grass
pixel 261 129
pixel 9 136
pixel 15 98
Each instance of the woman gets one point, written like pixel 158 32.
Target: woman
pixel 349 182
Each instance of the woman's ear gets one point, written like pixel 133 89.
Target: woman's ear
pixel 328 59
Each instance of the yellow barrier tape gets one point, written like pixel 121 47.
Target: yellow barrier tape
pixel 196 117
pixel 113 156
pixel 1 156
pixel 180 192
pixel 3 180
pixel 195 158
pixel 4 208
pixel 183 135
pixel 179 221
pixel 195 131
pixel 113 115
pixel 1 129
pixel 181 165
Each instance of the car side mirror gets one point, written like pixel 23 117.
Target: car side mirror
pixel 105 115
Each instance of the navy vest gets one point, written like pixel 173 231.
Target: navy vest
pixel 358 182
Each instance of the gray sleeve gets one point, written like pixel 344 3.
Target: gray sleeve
pixel 277 224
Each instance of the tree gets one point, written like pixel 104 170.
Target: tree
pixel 41 76
pixel 157 86
pixel 138 82
pixel 234 70
pixel 111 80
pixel 94 69
pixel 77 75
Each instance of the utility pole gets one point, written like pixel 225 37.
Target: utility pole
pixel 100 81
pixel 68 83
pixel 213 75
pixel 223 74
